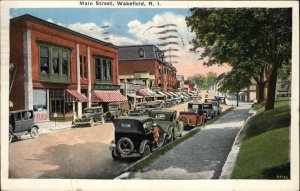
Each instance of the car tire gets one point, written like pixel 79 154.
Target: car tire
pixel 116 155
pixel 147 150
pixel 34 132
pixel 10 138
pixel 125 146
pixel 92 122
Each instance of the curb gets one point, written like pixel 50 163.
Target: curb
pixel 128 174
pixel 231 158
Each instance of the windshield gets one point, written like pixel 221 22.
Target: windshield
pixel 113 107
pixel 89 111
pixel 207 106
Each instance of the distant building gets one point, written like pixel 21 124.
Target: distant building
pixel 145 65
pixel 57 70
pixel 180 82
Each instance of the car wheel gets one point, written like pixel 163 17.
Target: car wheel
pixel 34 132
pixel 146 151
pixel 92 122
pixel 115 154
pixel 170 138
pixel 10 138
pixel 125 146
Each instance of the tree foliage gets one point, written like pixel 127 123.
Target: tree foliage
pixel 204 82
pixel 255 40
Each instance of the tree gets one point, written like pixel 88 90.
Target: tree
pixel 233 83
pixel 204 82
pixel 253 40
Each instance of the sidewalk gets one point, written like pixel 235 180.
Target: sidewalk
pixel 200 157
pixel 51 126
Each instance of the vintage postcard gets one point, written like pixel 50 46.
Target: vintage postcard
pixel 149 95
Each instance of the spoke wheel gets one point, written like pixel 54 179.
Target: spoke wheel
pixel 34 132
pixel 147 150
pixel 92 122
pixel 125 146
pixel 10 138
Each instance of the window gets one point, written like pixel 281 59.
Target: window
pixel 85 67
pixel 54 60
pixel 98 69
pixel 141 53
pixel 81 70
pixel 103 69
pixel 64 63
pixel 44 60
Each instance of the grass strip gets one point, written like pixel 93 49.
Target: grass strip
pixel 219 116
pixel 265 150
pixel 150 159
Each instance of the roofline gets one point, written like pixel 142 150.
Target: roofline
pixel 61 28
pixel 150 59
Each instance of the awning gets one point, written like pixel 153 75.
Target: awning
pixel 159 92
pixel 167 93
pixel 134 95
pixel 174 94
pixel 142 92
pixel 108 96
pixel 75 96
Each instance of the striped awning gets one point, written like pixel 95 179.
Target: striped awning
pixel 108 96
pixel 142 92
pixel 134 96
pixel 159 92
pixel 75 96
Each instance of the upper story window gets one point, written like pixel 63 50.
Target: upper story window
pixel 103 69
pixel 141 53
pixel 83 67
pixel 54 62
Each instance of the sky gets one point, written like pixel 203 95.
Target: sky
pixel 135 26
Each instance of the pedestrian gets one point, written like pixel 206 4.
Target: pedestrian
pixel 156 135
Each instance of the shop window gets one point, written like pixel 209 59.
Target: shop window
pixel 103 69
pixel 39 100
pixel 44 60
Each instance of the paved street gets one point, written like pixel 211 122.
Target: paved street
pixel 64 152
pixel 203 155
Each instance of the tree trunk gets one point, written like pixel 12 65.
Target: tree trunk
pixel 270 102
pixel 237 99
pixel 260 91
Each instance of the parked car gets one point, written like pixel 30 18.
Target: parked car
pixel 208 109
pixel 195 115
pixel 139 109
pixel 167 120
pixel 221 99
pixel 91 116
pixel 159 104
pixel 21 123
pixel 136 136
pixel 116 109
pixel 216 105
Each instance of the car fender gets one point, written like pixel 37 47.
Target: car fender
pixel 35 126
pixel 142 146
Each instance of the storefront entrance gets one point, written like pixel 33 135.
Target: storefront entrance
pixel 57 104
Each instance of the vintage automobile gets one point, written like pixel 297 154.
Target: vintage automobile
pixel 216 105
pixel 116 109
pixel 221 99
pixel 136 136
pixel 139 109
pixel 21 123
pixel 159 104
pixel 195 116
pixel 91 116
pixel 167 120
pixel 208 109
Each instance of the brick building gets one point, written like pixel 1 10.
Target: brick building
pixel 145 65
pixel 57 70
